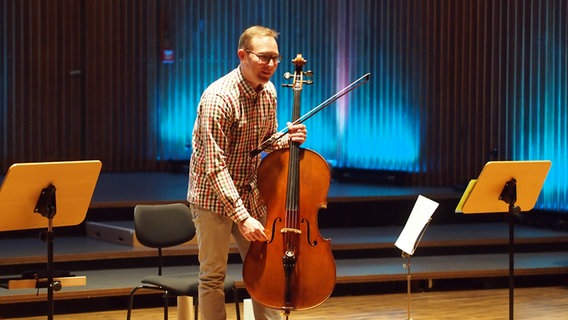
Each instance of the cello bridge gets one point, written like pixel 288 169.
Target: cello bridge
pixel 286 230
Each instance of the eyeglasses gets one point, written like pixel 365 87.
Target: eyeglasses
pixel 265 59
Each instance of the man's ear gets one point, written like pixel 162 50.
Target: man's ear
pixel 241 53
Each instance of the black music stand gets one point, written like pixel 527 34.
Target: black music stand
pixel 508 187
pixel 411 235
pixel 28 201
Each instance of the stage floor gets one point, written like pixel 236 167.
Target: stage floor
pixel 541 303
pixel 378 266
pixel 364 255
pixel 128 189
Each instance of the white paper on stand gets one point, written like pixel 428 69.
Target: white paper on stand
pixel 417 221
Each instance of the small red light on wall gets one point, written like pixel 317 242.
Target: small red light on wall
pixel 168 56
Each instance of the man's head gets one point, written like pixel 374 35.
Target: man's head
pixel 259 55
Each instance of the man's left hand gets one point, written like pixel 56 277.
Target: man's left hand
pixel 297 132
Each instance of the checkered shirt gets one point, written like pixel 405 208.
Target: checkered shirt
pixel 232 120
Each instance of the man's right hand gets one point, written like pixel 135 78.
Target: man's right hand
pixel 252 230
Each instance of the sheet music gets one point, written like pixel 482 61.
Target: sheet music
pixel 417 221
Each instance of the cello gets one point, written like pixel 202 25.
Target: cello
pixel 295 268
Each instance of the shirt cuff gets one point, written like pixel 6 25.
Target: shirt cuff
pixel 240 213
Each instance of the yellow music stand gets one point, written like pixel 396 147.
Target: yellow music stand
pixel 480 195
pixel 509 187
pixel 47 195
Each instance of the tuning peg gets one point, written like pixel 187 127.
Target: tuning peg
pixel 287 75
pixel 308 73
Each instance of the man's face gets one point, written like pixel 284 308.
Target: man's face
pixel 260 61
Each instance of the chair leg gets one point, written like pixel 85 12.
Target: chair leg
pixel 237 308
pixel 166 297
pixel 131 301
pixel 196 306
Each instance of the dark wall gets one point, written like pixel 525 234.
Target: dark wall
pixel 80 78
pixel 76 82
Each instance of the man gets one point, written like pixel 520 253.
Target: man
pixel 236 113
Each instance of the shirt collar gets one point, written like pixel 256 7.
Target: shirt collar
pixel 247 88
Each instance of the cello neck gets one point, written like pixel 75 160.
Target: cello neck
pixel 292 192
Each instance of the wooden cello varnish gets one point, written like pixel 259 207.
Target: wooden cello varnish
pixel 295 268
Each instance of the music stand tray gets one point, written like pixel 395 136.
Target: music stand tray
pixel 74 182
pixel 482 194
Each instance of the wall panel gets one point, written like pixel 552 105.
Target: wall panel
pixel 42 113
pixel 120 58
pixel 454 83
pixel 535 114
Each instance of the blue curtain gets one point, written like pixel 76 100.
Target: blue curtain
pixel 374 127
pixel 452 81
pixel 537 106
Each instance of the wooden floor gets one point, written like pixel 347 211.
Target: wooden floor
pixel 454 248
pixel 492 304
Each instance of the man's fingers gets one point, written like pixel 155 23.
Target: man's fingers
pixel 258 235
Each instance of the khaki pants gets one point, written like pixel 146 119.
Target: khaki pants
pixel 213 237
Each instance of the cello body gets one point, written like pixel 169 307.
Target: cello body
pixel 295 268
pixel 267 274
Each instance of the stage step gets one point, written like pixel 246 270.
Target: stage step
pixel 31 250
pixel 365 256
pixel 119 282
pixel 119 232
pixel 480 234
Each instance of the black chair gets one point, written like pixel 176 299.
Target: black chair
pixel 162 226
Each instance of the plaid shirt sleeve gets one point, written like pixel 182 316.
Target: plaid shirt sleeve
pixel 215 130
